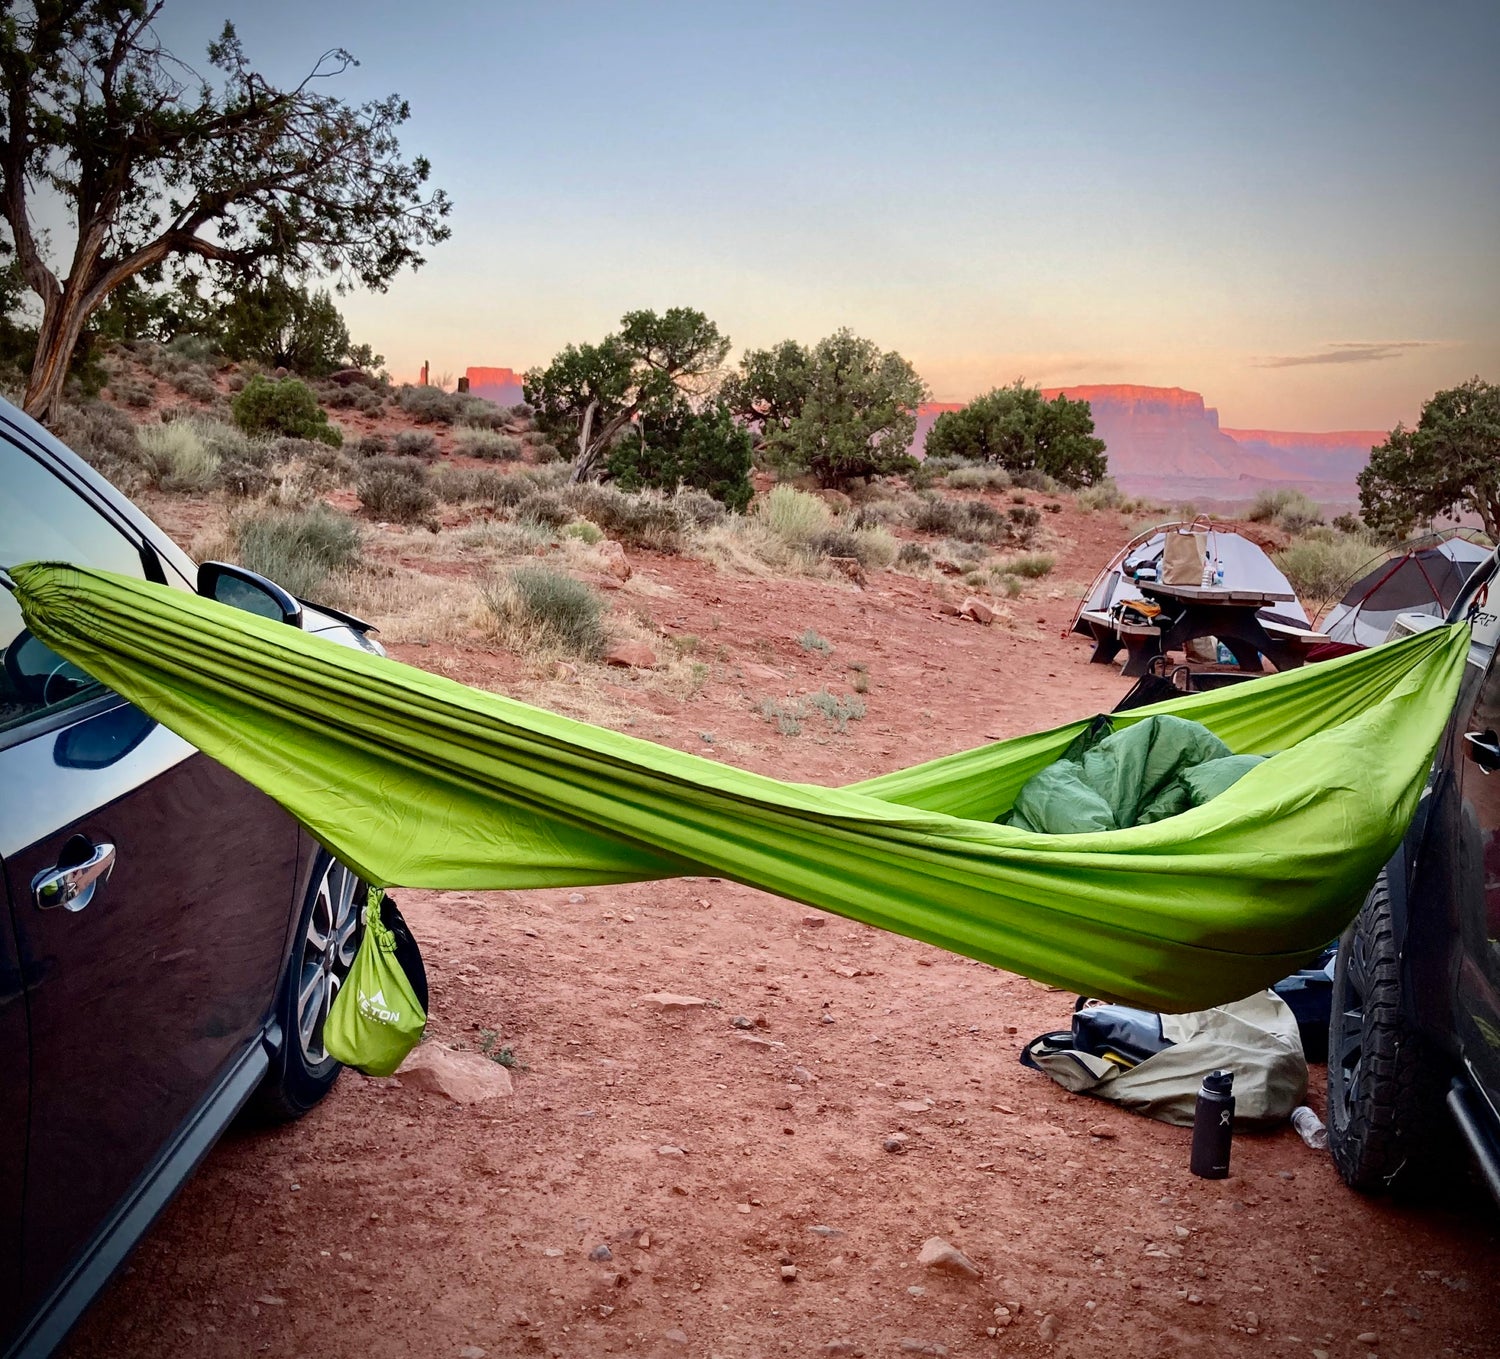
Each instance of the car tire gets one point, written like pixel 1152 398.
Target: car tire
pixel 1385 1082
pixel 329 928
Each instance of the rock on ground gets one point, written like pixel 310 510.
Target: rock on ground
pixel 463 1077
pixel 948 1259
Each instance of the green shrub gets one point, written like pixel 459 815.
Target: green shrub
pixel 355 396
pixel 539 609
pixel 1032 565
pixel 1033 480
pixel 974 521
pixel 936 514
pixel 813 640
pixel 646 519
pixel 1319 567
pixel 194 348
pixel 103 437
pixel 707 450
pixel 395 490
pixel 874 548
pixel 370 445
pixel 430 405
pixel 878 513
pixel 486 443
pixel 583 531
pixel 699 508
pixel 324 469
pixel 468 485
pixel 1102 495
pixel 838 709
pixel 134 393
pixel 195 385
pixel 177 457
pixel 912 556
pixel 267 406
pixel 545 508
pixel 1288 509
pixel 478 413
pixel 298 549
pixel 415 443
pixel 794 516
pixel 1024 516
pixel 979 478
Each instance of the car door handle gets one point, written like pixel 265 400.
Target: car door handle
pixel 74 887
pixel 1484 749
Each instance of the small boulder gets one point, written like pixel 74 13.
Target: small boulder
pixel 670 1000
pixel 948 607
pixel 978 610
pixel 613 559
pixel 631 656
pixel 463 1077
pixel 851 568
pixel 947 1259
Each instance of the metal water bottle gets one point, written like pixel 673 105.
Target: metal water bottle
pixel 1213 1126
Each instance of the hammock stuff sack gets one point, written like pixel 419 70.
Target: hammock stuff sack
pixel 413 779
pixel 380 1011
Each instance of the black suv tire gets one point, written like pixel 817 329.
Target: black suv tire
pixel 1385 1083
pixel 329 929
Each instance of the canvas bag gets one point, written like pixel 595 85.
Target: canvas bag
pixel 379 1013
pixel 1182 558
pixel 1256 1038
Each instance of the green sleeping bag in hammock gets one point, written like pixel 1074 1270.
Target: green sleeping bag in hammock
pixel 414 779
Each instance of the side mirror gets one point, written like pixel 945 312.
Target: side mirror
pixel 247 590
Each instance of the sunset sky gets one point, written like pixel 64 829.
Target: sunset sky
pixel 1293 208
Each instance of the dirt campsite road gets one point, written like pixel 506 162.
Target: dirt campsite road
pixel 658 1176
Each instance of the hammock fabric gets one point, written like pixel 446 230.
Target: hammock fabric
pixel 417 780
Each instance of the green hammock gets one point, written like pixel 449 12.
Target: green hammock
pixel 416 780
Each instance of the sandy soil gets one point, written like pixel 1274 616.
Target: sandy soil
pixel 391 1223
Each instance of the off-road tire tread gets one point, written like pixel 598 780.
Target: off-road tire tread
pixel 1396 1121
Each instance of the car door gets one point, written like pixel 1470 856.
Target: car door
pixel 1478 978
pixel 150 897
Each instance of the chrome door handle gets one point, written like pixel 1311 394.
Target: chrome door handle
pixel 73 888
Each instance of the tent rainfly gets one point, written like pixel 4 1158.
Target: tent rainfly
pixel 1425 579
pixel 1245 566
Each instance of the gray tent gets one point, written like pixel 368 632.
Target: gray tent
pixel 1425 579
pixel 1245 565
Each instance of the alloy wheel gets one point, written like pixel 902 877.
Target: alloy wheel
pixel 1347 1038
pixel 328 948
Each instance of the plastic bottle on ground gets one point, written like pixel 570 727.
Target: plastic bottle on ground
pixel 1309 1127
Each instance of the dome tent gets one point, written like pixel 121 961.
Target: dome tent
pixel 1246 566
pixel 1424 579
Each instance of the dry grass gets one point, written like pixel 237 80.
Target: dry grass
pixel 543 611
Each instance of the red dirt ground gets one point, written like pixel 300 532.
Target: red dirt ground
pixel 392 1223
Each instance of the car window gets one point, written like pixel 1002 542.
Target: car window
pixel 42 518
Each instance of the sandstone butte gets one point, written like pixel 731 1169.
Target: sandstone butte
pixel 1164 441
pixel 500 385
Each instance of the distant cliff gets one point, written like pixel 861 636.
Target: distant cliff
pixel 1164 442
pixel 500 385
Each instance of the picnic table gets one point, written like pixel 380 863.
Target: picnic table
pixel 1190 611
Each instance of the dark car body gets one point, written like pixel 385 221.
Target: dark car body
pixel 1414 1044
pixel 151 902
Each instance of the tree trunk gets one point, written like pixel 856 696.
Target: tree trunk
pixel 62 324
pixel 581 462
